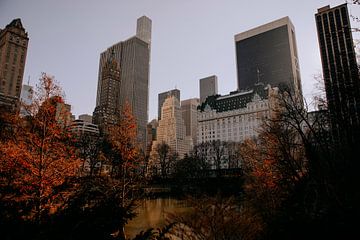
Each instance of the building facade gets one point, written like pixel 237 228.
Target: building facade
pixel 208 87
pixel 171 129
pixel 162 96
pixel 26 98
pixel 340 70
pixel 81 127
pixel 268 54
pixel 235 117
pixel 86 118
pixel 13 48
pixel 189 114
pixel 133 56
pixel 107 113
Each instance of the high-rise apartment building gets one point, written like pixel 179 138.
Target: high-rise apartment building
pixel 133 57
pixel 340 70
pixel 208 87
pixel 268 54
pixel 189 114
pixel 13 49
pixel 162 96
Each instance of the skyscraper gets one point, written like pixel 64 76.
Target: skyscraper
pixel 107 112
pixel 171 129
pixel 340 70
pixel 26 99
pixel 162 96
pixel 133 57
pixel 189 114
pixel 208 87
pixel 268 54
pixel 13 49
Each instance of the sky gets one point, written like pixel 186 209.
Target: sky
pixel 191 39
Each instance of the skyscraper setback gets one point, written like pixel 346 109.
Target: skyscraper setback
pixel 268 54
pixel 340 70
pixel 133 58
pixel 13 49
pixel 162 97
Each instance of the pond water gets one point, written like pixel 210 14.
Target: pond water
pixel 153 213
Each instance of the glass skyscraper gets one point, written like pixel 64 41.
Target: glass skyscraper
pixel 268 54
pixel 133 56
pixel 340 70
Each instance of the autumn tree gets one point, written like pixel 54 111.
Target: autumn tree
pixel 122 151
pixel 40 157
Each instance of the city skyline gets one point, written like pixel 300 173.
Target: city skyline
pixel 189 42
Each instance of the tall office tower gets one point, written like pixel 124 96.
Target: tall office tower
pixel 163 96
pixel 208 87
pixel 133 56
pixel 189 114
pixel 340 70
pixel 171 129
pixel 143 29
pixel 13 48
pixel 268 54
pixel 26 97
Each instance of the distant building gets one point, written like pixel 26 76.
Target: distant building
pixel 171 129
pixel 189 114
pixel 235 117
pixel 340 71
pixel 81 127
pixel 268 54
pixel 8 104
pixel 133 58
pixel 26 98
pixel 13 48
pixel 86 118
pixel 151 135
pixel 162 96
pixel 208 87
pixel 63 114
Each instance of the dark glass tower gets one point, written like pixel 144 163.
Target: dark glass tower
pixel 340 70
pixel 268 54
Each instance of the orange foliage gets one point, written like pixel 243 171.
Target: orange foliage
pixel 40 157
pixel 122 137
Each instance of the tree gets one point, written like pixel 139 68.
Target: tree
pixel 39 158
pixel 122 150
pixel 217 151
pixel 89 150
pixel 164 158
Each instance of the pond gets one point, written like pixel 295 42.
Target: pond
pixel 153 213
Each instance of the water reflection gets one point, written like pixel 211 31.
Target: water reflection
pixel 152 213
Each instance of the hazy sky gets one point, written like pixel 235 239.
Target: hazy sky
pixel 191 39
